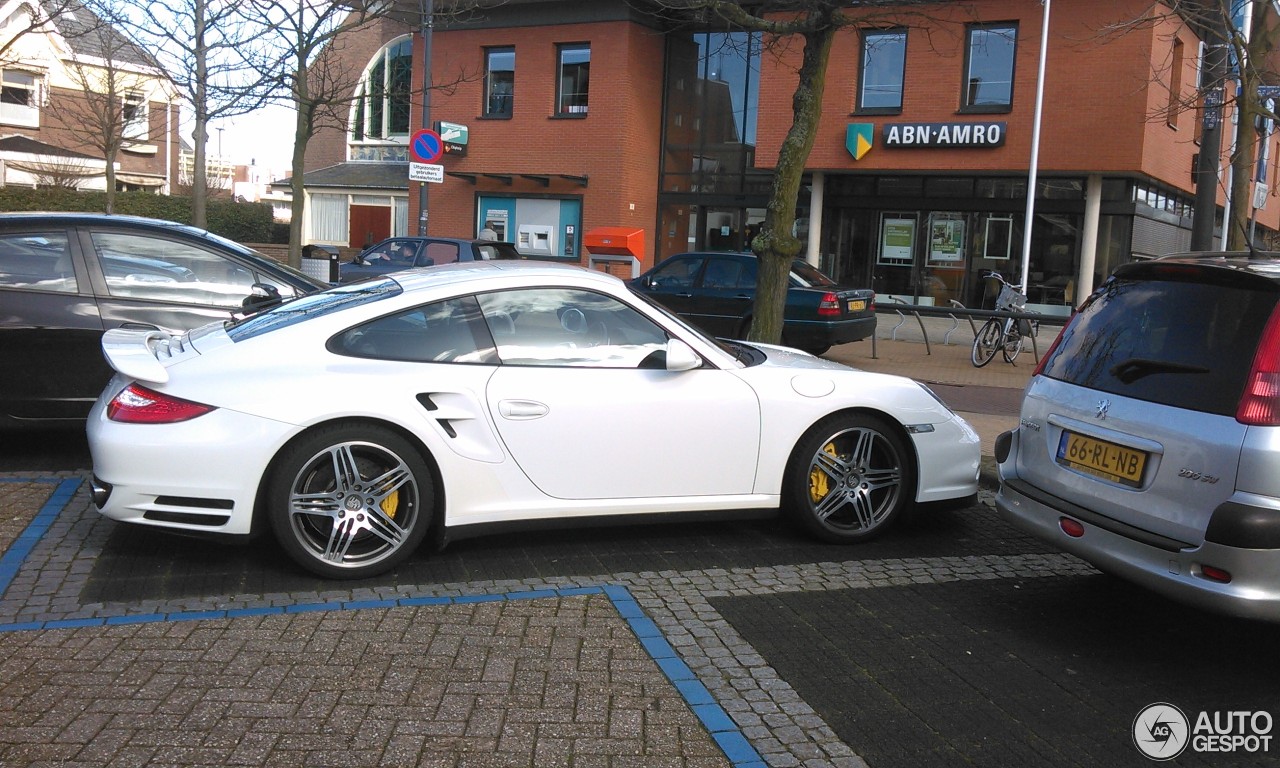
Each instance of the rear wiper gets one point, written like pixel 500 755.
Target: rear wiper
pixel 1137 367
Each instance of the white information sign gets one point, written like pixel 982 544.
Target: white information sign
pixel 426 172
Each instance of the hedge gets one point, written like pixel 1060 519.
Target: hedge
pixel 242 222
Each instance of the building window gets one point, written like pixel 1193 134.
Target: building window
pixel 499 81
pixel 135 116
pixel 382 104
pixel 1175 85
pixel 988 67
pixel 883 60
pixel 575 70
pixel 19 98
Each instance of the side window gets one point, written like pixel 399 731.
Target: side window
pixel 571 86
pixel 728 273
pixel 441 253
pixel 39 261
pixel 499 81
pixel 156 269
pixel 450 331
pixel 988 67
pixel 677 274
pixel 567 327
pixel 881 77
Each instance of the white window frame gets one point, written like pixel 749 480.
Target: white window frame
pixel 135 114
pixel 26 115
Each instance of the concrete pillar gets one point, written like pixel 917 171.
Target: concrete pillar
pixel 812 253
pixel 1089 238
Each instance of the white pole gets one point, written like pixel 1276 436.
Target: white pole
pixel 1035 154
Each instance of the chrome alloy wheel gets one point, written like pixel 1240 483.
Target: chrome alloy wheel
pixel 357 502
pixel 850 478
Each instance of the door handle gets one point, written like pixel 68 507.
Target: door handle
pixel 522 410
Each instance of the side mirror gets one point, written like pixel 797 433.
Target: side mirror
pixel 681 357
pixel 261 296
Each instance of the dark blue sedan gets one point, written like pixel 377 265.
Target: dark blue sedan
pixel 397 253
pixel 717 291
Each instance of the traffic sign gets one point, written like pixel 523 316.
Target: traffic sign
pixel 426 172
pixel 426 146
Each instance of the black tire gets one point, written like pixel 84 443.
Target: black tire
pixel 849 478
pixel 986 343
pixel 383 501
pixel 817 351
pixel 1012 345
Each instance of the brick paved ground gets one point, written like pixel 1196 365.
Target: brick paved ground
pixel 630 667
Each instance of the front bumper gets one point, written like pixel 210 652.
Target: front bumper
pixel 1171 568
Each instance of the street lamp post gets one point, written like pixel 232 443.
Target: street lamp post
pixel 1028 224
pixel 428 23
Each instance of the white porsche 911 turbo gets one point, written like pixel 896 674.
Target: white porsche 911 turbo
pixel 351 421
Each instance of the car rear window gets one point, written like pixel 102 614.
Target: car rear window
pixel 1186 340
pixel 311 306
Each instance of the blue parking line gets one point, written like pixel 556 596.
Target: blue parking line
pixel 12 559
pixel 724 731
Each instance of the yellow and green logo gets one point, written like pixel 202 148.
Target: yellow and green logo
pixel 858 139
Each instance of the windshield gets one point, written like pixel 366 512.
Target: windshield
pixel 311 306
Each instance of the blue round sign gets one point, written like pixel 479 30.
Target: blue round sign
pixel 426 146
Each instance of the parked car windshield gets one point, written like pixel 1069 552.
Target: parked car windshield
pixel 1177 340
pixel 310 306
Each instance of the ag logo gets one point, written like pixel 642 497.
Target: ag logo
pixel 1160 731
pixel 858 138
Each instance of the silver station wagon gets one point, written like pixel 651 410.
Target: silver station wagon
pixel 1149 439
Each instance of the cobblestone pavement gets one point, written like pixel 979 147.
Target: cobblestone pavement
pixel 628 668
pixel 553 665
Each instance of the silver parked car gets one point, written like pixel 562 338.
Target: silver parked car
pixel 1149 439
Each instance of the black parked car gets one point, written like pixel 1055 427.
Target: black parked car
pixel 716 292
pixel 397 253
pixel 65 278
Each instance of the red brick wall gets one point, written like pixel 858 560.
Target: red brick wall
pixel 356 50
pixel 616 145
pixel 1104 107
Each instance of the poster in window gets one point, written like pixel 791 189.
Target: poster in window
pixel 998 243
pixel 946 241
pixel 897 240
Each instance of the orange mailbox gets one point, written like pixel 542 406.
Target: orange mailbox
pixel 605 245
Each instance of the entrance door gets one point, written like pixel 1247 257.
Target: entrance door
pixel 369 224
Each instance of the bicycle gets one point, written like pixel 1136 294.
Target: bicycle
pixel 1006 335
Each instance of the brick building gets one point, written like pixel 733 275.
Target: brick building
pixel 570 117
pixel 56 114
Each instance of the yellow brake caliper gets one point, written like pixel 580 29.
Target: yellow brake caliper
pixel 391 504
pixel 819 482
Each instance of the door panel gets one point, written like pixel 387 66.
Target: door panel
pixel 628 433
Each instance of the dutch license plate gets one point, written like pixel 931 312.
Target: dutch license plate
pixel 857 305
pixel 1102 459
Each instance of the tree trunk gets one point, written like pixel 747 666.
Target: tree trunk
pixel 776 245
pixel 1242 165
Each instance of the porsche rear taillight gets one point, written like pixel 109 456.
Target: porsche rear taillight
pixel 135 404
pixel 829 305
pixel 1260 403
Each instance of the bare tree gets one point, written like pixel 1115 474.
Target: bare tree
pixel 35 16
pixel 1251 50
pixel 208 50
pixel 815 23
pixel 113 78
pixel 303 56
pixel 57 171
